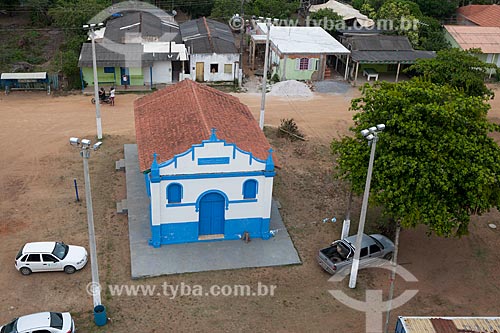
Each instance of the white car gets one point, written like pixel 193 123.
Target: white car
pixel 43 322
pixel 50 256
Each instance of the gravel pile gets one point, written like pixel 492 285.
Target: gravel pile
pixel 290 88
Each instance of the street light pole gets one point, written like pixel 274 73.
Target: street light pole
pixel 371 135
pixel 91 27
pixel 264 77
pixel 85 149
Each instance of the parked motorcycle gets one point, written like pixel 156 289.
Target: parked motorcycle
pixel 106 100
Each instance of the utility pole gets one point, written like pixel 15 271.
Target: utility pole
pixel 371 135
pixel 91 27
pixel 85 148
pixel 242 35
pixel 264 77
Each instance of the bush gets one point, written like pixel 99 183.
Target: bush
pixel 289 129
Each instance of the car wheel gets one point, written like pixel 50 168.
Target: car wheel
pixel 69 269
pixel 388 256
pixel 25 271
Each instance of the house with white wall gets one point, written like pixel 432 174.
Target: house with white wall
pixel 207 166
pixel 212 50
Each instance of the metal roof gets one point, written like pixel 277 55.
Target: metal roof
pixel 24 76
pixel 208 36
pixel 114 54
pixel 485 38
pixel 379 43
pixel 303 40
pixel 136 27
pixel 346 11
pixel 390 57
pixel 450 324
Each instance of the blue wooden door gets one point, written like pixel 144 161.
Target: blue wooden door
pixel 211 214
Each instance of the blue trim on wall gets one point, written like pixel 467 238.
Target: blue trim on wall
pixel 187 232
pixel 194 203
pixel 81 80
pixel 219 175
pixel 148 184
pixel 193 147
pixel 226 200
pixel 213 160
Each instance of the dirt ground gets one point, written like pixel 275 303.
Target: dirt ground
pixel 37 202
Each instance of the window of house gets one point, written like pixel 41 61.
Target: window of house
pixel 109 69
pixel 228 69
pixel 174 193
pixel 303 64
pixel 214 68
pixel 250 189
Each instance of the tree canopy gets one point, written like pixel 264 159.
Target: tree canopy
pixel 457 68
pixel 435 163
pixel 333 19
pixel 403 14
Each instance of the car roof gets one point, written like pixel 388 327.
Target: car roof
pixel 41 247
pixel 35 320
pixel 365 241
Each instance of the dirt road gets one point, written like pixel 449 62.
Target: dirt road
pixel 37 202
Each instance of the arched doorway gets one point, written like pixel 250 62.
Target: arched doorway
pixel 211 214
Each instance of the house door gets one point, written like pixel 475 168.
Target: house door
pixel 200 68
pixel 124 71
pixel 211 214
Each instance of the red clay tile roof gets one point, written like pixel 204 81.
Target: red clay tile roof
pixel 169 121
pixel 482 15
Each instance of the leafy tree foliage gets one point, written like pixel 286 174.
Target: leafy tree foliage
pixel 457 68
pixel 281 9
pixel 438 9
pixel 330 16
pixel 73 14
pixel 431 35
pixel 435 163
pixel 225 9
pixel 402 13
pixel 197 9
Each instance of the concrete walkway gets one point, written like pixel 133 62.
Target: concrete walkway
pixel 194 257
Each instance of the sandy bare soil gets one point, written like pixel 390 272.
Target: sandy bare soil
pixel 37 202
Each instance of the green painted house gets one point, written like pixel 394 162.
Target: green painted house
pixel 298 53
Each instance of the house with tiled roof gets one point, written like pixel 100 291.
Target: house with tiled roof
pixel 207 165
pixel 467 37
pixel 479 15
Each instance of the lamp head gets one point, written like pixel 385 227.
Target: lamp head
pixel 74 142
pixel 85 143
pixel 372 129
pixel 365 132
pixel 380 127
pixel 97 145
pixel 370 137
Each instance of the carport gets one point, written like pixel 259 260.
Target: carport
pixel 25 81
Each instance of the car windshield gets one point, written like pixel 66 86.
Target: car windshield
pixel 56 320
pixel 19 254
pixel 377 241
pixel 60 250
pixel 10 327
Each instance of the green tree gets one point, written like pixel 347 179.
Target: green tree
pixel 435 163
pixel 327 19
pixel 281 9
pixel 223 10
pixel 71 15
pixel 431 35
pixel 438 8
pixel 198 9
pixel 457 68
pixel 404 15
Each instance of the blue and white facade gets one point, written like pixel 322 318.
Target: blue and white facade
pixel 212 191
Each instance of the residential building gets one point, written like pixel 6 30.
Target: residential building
pixel 213 55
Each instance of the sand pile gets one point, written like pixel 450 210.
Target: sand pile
pixel 290 88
